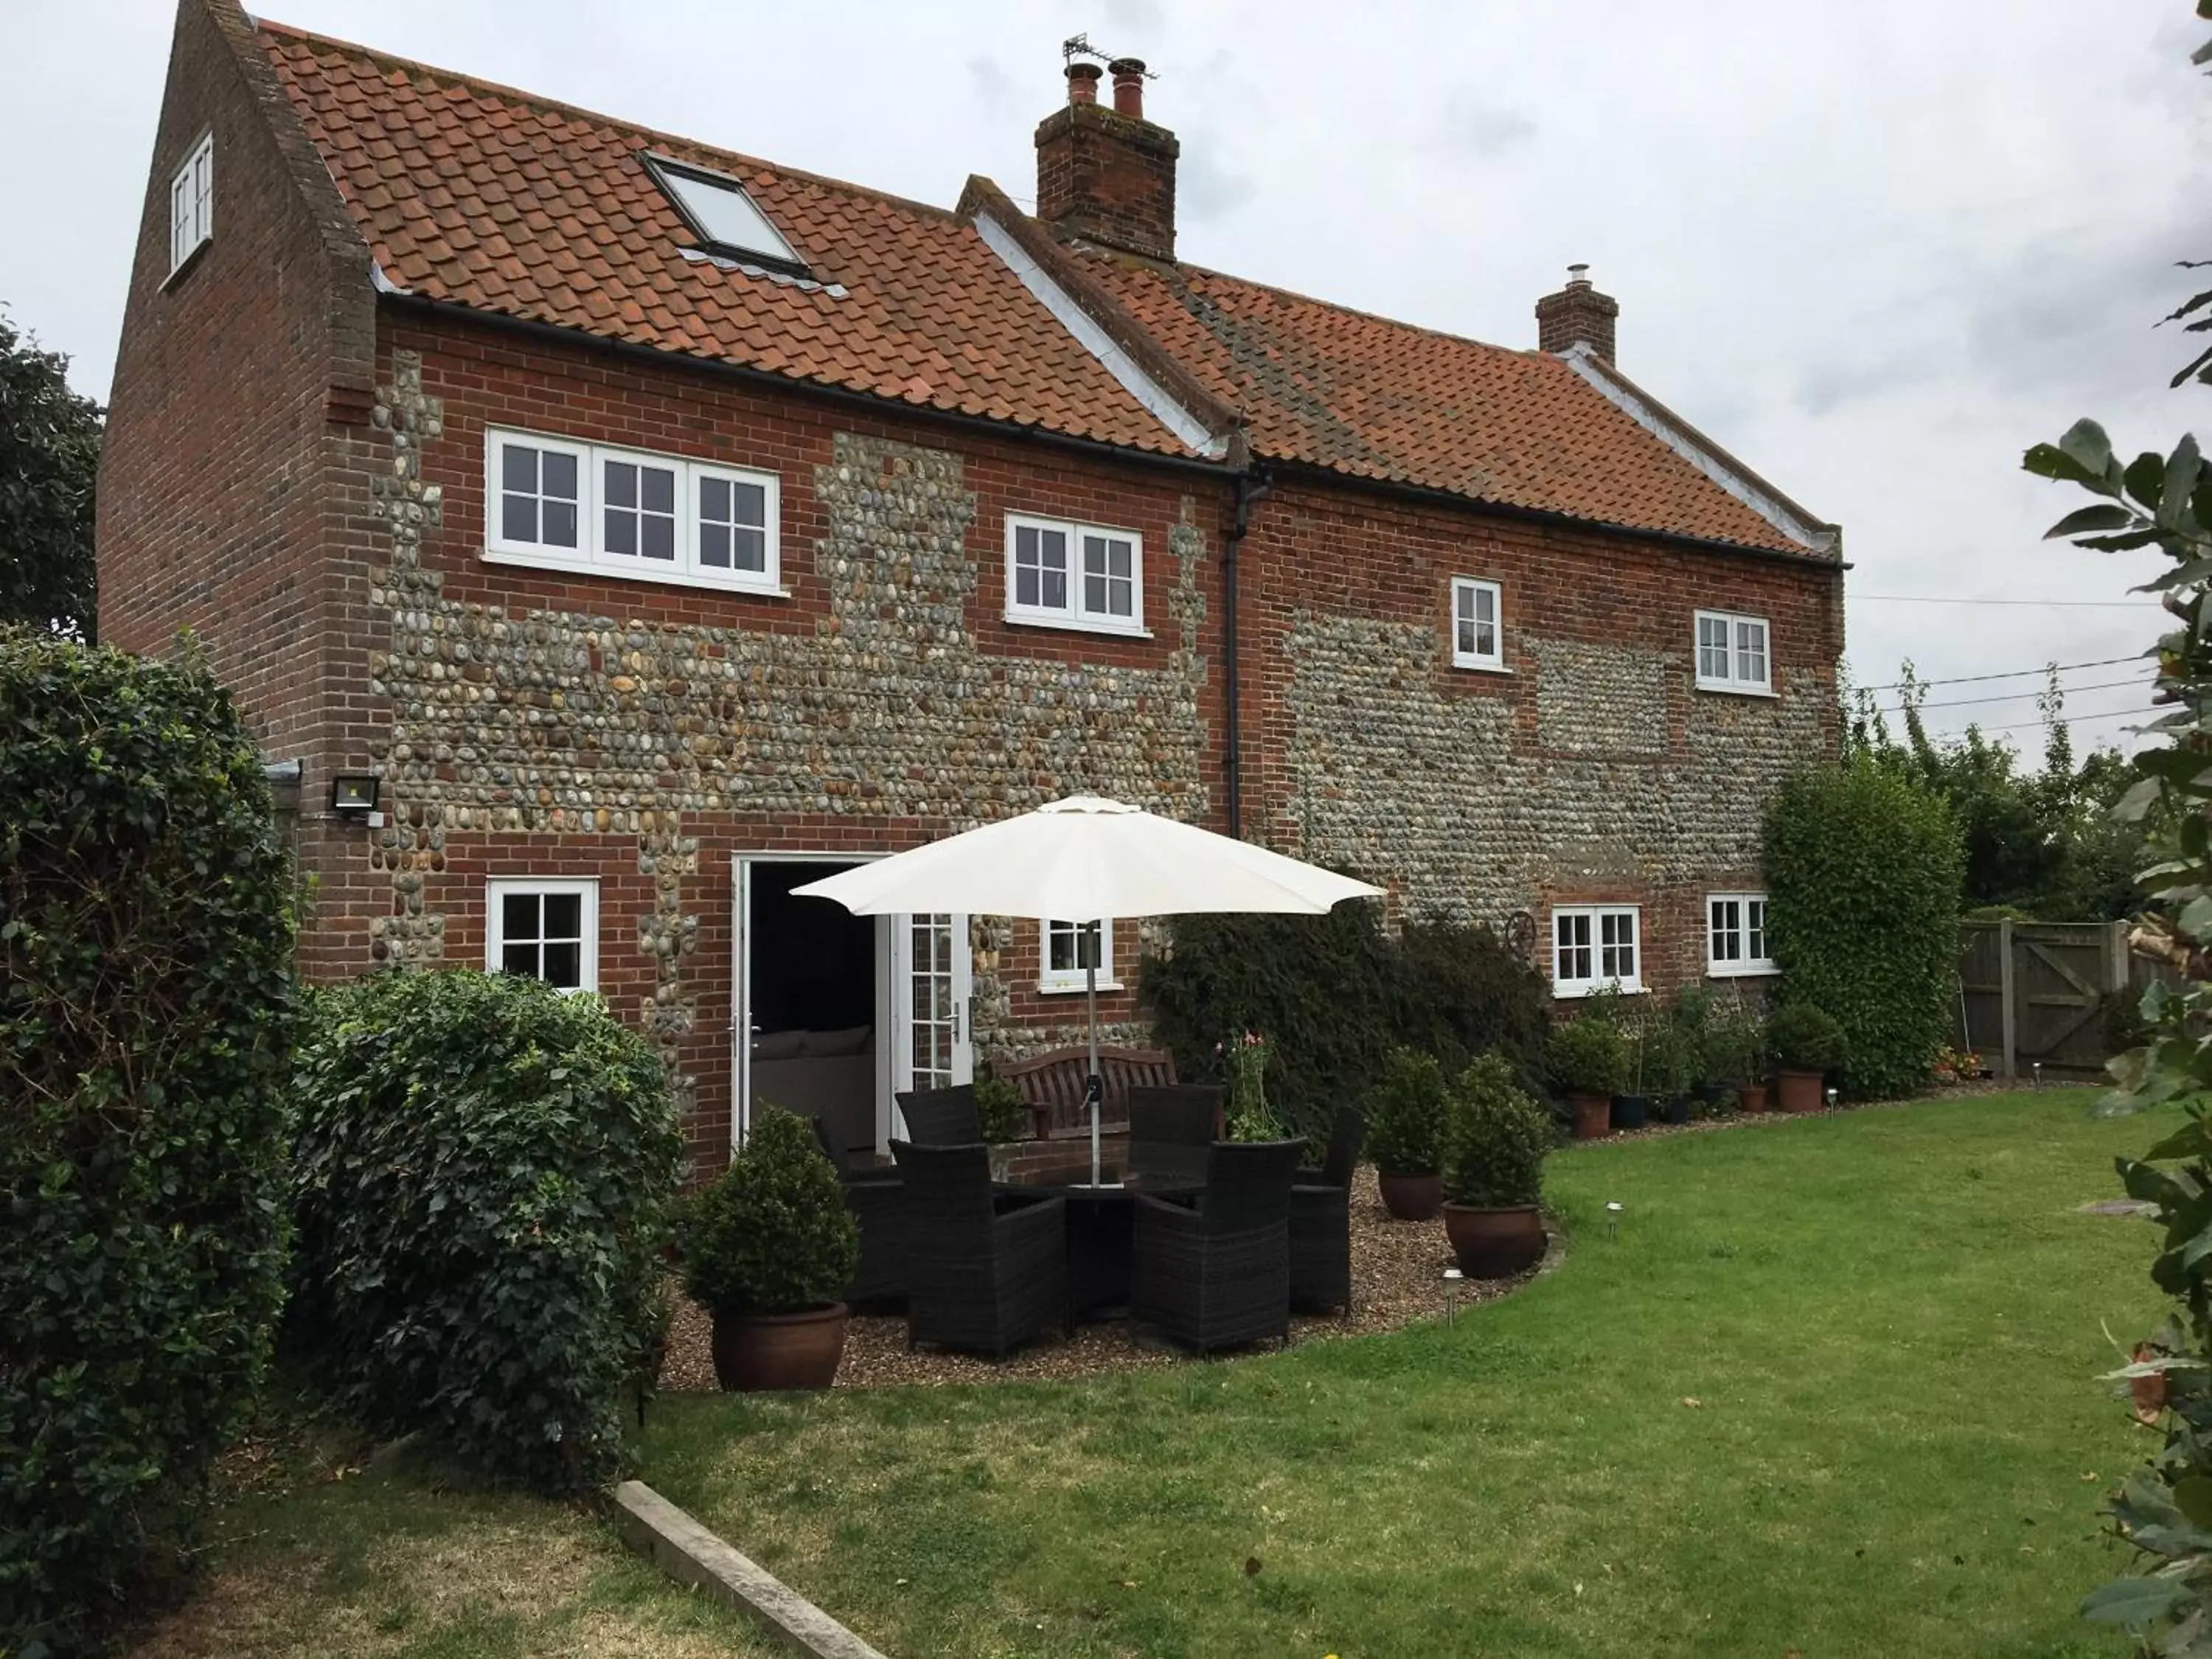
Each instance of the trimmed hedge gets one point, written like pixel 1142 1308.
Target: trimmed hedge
pixel 1863 873
pixel 147 1008
pixel 1334 995
pixel 482 1182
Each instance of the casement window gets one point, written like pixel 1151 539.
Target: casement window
pixel 564 506
pixel 1595 945
pixel 543 929
pixel 1736 935
pixel 1732 653
pixel 191 203
pixel 1066 949
pixel 1478 635
pixel 1074 575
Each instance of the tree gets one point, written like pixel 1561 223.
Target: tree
pixel 2045 842
pixel 49 455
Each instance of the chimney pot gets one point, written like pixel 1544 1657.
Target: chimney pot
pixel 1129 87
pixel 1083 83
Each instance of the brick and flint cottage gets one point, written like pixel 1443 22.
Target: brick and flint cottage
pixel 612 532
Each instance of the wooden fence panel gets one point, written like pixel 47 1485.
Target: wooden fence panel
pixel 2032 992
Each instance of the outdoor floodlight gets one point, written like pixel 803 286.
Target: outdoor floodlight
pixel 353 794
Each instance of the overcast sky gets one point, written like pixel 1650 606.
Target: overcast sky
pixel 1874 250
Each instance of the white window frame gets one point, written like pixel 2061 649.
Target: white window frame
pixel 1057 981
pixel 591 555
pixel 1075 613
pixel 1599 920
pixel 587 889
pixel 191 205
pixel 1466 591
pixel 1739 926
pixel 1734 661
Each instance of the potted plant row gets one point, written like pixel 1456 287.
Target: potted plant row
pixel 1495 1141
pixel 769 1246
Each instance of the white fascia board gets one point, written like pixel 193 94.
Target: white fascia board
pixel 1685 440
pixel 1186 426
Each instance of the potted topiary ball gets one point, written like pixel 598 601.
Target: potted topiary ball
pixel 1805 1042
pixel 769 1246
pixel 1405 1125
pixel 1588 1062
pixel 1495 1141
pixel 1003 1119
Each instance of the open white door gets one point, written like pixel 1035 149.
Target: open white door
pixel 932 972
pixel 741 1001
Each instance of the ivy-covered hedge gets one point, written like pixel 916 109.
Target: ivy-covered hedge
pixel 1863 872
pixel 483 1179
pixel 1334 995
pixel 147 1009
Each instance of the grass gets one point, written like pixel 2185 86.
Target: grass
pixel 401 1558
pixel 1830 1390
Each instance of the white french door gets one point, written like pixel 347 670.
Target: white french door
pixel 932 972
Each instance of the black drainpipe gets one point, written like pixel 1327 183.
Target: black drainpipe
pixel 1252 487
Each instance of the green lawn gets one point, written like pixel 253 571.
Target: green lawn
pixel 1831 1389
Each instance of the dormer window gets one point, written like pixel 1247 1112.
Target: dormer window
pixel 723 216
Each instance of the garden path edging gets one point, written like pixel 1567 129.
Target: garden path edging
pixel 676 1543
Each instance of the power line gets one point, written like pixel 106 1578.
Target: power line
pixel 1945 598
pixel 2015 696
pixel 2010 674
pixel 2071 719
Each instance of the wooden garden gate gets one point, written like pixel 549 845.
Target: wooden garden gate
pixel 2032 993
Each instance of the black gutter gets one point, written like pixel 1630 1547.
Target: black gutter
pixel 746 375
pixel 1307 470
pixel 1252 487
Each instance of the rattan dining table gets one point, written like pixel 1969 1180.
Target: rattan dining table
pixel 1102 1237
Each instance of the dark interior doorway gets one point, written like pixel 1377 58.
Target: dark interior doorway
pixel 812 972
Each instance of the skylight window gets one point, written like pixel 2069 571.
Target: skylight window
pixel 725 218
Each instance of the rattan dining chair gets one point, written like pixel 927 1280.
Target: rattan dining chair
pixel 1216 1273
pixel 876 1198
pixel 1321 1221
pixel 984 1270
pixel 941 1117
pixel 1170 1127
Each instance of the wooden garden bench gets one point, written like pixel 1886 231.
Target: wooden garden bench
pixel 1051 1085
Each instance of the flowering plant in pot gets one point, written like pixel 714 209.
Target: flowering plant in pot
pixel 1405 1125
pixel 1587 1061
pixel 769 1246
pixel 1805 1042
pixel 1494 1144
pixel 1250 1117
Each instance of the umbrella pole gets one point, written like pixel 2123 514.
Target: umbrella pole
pixel 1093 1088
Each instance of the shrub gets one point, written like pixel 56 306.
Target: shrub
pixel 1495 1139
pixel 482 1179
pixel 1671 1064
pixel 772 1233
pixel 1863 869
pixel 1000 1110
pixel 1335 995
pixel 1803 1038
pixel 1319 985
pixel 1735 1048
pixel 1586 1056
pixel 1406 1114
pixel 147 1006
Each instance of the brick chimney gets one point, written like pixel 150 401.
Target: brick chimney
pixel 1577 315
pixel 1108 175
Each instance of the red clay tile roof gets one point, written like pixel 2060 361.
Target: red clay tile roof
pixel 513 205
pixel 1374 398
pixel 491 198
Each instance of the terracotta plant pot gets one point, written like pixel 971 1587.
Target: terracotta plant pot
pixel 1410 1197
pixel 1751 1096
pixel 1593 1116
pixel 757 1353
pixel 1630 1111
pixel 1495 1243
pixel 1797 1092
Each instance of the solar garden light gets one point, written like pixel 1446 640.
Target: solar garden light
pixel 1452 1278
pixel 1832 1100
pixel 1613 1219
pixel 2037 1068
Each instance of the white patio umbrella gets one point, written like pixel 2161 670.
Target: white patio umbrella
pixel 1084 860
